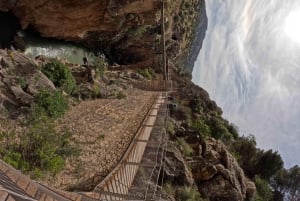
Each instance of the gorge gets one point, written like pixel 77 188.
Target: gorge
pixel 207 158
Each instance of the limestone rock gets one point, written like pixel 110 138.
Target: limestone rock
pixel 218 174
pixel 176 169
pixel 251 189
pixel 20 79
pixel 97 17
pixel 23 97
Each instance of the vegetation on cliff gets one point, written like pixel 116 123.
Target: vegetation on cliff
pixel 197 118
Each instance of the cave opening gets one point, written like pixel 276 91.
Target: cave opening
pixel 9 25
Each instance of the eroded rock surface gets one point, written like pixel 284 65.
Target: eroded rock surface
pixel 176 170
pixel 75 19
pixel 218 174
pixel 20 80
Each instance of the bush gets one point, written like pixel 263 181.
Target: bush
pixel 152 72
pixel 60 75
pixel 146 74
pixel 263 190
pixel 218 129
pixel 40 150
pixel 201 127
pixel 99 65
pixel 120 95
pixel 137 31
pixel 188 194
pixel 15 159
pixel 185 147
pixel 245 148
pixel 53 104
pixel 168 188
pixel 195 105
pixel 170 127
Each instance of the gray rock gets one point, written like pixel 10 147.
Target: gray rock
pixel 176 169
pixel 251 189
pixel 22 97
pixel 20 79
pixel 218 174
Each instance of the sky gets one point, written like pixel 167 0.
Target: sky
pixel 250 65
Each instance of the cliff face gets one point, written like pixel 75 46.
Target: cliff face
pixel 77 20
pixel 125 31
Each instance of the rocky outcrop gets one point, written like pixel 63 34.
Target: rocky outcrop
pixel 20 80
pixel 77 20
pixel 218 174
pixel 124 30
pixel 175 168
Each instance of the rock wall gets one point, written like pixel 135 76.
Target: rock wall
pixel 74 20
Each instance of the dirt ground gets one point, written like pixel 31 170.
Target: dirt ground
pixel 102 130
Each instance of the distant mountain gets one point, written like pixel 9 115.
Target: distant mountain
pixel 199 35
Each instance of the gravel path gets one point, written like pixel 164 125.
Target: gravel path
pixel 102 130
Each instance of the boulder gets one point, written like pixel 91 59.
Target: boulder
pixel 218 174
pixel 175 168
pixel 20 79
pixel 22 97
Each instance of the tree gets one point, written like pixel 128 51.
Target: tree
pixel 263 190
pixel 268 164
pixel 286 184
pixel 294 186
pixel 245 147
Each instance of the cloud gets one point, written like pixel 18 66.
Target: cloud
pixel 251 68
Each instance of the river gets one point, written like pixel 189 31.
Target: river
pixel 250 64
pixel 36 45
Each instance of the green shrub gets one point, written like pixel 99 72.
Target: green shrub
pixel 263 190
pixel 15 159
pixel 168 188
pixel 60 75
pixel 170 127
pixel 218 129
pixel 138 31
pixel 145 73
pixel 188 194
pixel 201 127
pixel 233 130
pixel 44 148
pixel 120 95
pixel 40 150
pixel 152 72
pixel 96 91
pixel 195 105
pixel 99 65
pixel 53 104
pixel 185 147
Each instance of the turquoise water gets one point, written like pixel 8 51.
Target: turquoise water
pixel 71 52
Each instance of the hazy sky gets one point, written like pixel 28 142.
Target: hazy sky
pixel 250 65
